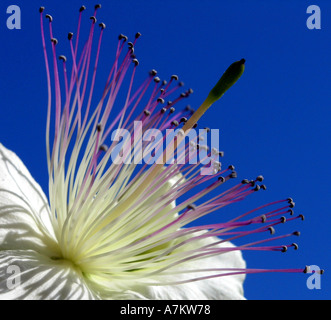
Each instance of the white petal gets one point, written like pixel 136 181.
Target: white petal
pixel 219 288
pixel 24 211
pixel 30 276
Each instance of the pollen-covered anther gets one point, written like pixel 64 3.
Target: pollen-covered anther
pixel 257 188
pixel 102 25
pixel 147 113
pixel 157 79
pixel 183 120
pixel 282 219
pixel 94 19
pixel 103 147
pixel 99 127
pixel 222 179
pixel 160 100
pixel 123 37
pixel 307 269
pixel 259 178
pixel 263 187
pixel 284 249
pixel 245 181
pixel 153 72
pixel 191 206
pixel 231 167
pixel 172 110
pixel 233 175
pixel 63 58
pixel 263 218
pixel 163 110
pixel 136 62
pixel 272 230
pixel 49 17
pixel 54 41
pixel 174 77
pixel 296 247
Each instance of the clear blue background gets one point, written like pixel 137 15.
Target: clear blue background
pixel 275 121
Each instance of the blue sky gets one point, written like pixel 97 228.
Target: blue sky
pixel 275 121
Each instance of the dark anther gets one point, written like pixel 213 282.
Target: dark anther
pixel 41 9
pixel 191 206
pixel 146 112
pixel 284 249
pixel 172 110
pixel 207 129
pixel 175 123
pixel 282 219
pixel 99 127
pixel 189 91
pixel 263 187
pixel 49 17
pixel 138 34
pixel 163 110
pixel 231 167
pixel 183 120
pixel 252 182
pixel 307 270
pixel 94 19
pixel 136 62
pixel 296 247
pixel 157 79
pixel 102 25
pixel 82 8
pixel 183 94
pixel 97 6
pixel 221 179
pixel 54 41
pixel 153 72
pixel 257 188
pixel 289 200
pixel 263 218
pixel 70 35
pixel 63 58
pixel 221 153
pixel 292 204
pixel 321 271
pixel 189 108
pixel 233 175
pixel 103 147
pixel 130 44
pixel 181 84
pixel 245 181
pixel 195 125
pixel 174 77
pixel 302 217
pixel 290 211
pixel 260 178
pixel 169 103
pixel 160 100
pixel 296 233
pixel 122 36
pixel 272 230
